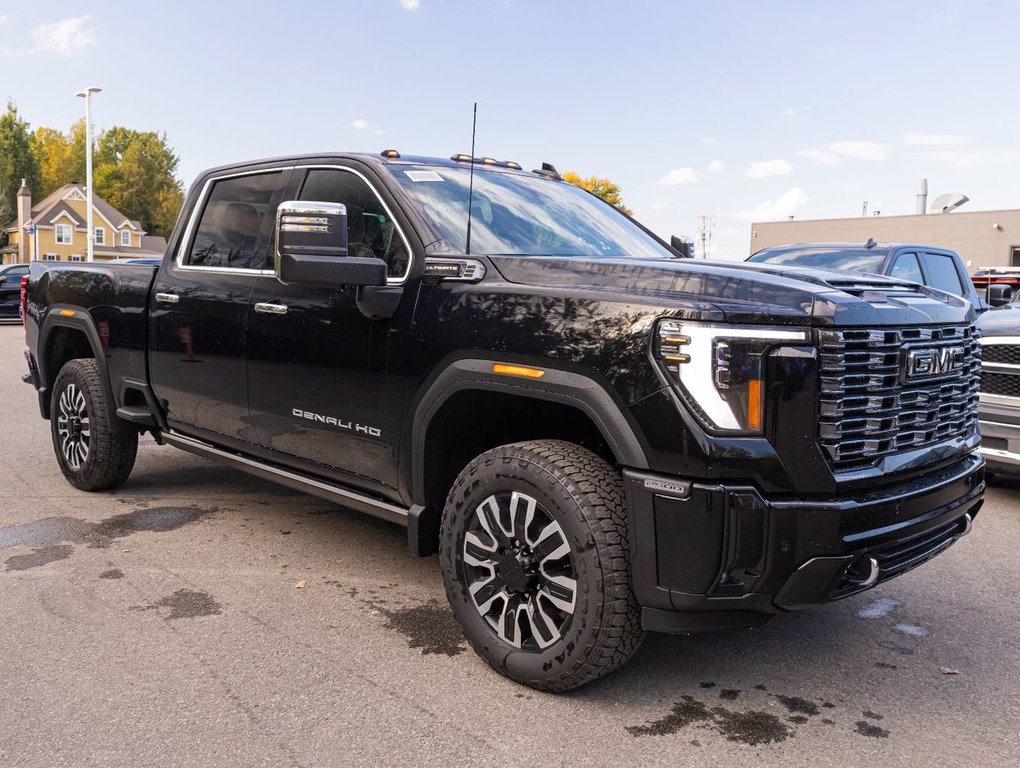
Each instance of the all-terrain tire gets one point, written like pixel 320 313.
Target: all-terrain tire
pixel 93 453
pixel 572 492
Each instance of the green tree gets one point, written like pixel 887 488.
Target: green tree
pixel 134 171
pixel 604 188
pixel 16 161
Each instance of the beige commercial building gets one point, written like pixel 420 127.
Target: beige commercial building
pixel 982 238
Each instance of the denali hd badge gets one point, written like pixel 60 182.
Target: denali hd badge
pixel 338 423
pixel 934 361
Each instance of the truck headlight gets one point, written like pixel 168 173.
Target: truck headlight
pixel 720 369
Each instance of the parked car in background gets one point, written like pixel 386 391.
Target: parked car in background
pixel 997 284
pixel 999 400
pixel 10 288
pixel 938 268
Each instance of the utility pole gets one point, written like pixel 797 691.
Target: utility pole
pixel 87 95
pixel 705 233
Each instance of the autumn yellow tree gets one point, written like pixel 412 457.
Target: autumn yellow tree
pixel 61 157
pixel 603 188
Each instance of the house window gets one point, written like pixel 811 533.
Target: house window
pixel 51 257
pixel 75 257
pixel 125 237
pixel 100 236
pixel 63 234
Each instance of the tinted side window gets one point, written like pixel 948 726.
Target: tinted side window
pixel 907 268
pixel 942 273
pixel 234 216
pixel 370 230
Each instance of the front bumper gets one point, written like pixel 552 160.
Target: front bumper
pixel 1000 436
pixel 713 555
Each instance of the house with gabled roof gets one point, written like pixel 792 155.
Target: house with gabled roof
pixel 55 229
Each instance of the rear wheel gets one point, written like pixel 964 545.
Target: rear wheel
pixel 92 454
pixel 536 566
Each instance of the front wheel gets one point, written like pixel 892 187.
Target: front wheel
pixel 91 452
pixel 534 554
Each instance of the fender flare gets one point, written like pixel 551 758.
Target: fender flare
pixel 82 321
pixel 575 389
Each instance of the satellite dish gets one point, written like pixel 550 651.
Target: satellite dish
pixel 949 202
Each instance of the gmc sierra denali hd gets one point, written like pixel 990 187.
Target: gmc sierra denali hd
pixel 598 437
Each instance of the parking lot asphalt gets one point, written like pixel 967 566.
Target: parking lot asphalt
pixel 200 617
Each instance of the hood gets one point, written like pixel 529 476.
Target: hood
pixel 742 292
pixel 1004 321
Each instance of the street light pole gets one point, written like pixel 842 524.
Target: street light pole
pixel 87 95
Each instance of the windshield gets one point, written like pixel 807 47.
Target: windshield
pixel 520 215
pixel 853 261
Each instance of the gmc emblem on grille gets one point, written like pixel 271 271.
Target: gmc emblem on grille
pixel 935 361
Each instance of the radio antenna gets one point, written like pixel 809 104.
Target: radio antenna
pixel 471 178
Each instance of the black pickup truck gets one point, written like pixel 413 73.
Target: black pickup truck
pixel 598 437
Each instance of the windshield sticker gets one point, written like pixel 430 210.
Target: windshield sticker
pixel 423 176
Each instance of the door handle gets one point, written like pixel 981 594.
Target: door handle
pixel 271 309
pixel 167 298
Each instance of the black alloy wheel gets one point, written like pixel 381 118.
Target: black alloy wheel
pixel 536 564
pixel 95 450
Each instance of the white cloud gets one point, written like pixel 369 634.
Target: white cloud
pixel 409 5
pixel 716 166
pixel 708 141
pixel 65 38
pixel 762 169
pixel 4 17
pixel 860 150
pixel 782 207
pixel 819 157
pixel 360 125
pixel 685 175
pixel 934 139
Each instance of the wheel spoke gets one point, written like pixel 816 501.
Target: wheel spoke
pixel 509 627
pixel 485 593
pixel 518 527
pixel 477 552
pixel 543 628
pixel 551 544
pixel 488 515
pixel 561 592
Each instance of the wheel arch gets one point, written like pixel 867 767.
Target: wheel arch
pixel 454 422
pixel 67 333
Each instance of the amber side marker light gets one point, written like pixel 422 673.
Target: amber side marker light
pixel 518 370
pixel 754 404
pixel 67 313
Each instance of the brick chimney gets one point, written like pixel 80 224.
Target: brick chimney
pixel 24 215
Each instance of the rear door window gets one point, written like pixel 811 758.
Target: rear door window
pixel 237 217
pixel 942 273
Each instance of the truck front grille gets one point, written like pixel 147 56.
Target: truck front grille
pixel 1006 354
pixel 876 398
pixel 1007 384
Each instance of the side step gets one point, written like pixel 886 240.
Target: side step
pixel 335 493
pixel 137 414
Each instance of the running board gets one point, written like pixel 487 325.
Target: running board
pixel 334 493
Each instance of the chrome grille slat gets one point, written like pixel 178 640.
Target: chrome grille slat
pixel 866 412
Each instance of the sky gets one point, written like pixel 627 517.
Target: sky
pixel 739 111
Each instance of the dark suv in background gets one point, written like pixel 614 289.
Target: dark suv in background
pixel 10 288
